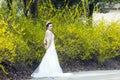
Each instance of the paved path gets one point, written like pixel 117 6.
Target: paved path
pixel 88 75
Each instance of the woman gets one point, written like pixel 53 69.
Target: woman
pixel 49 66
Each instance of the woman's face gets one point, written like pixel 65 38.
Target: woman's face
pixel 50 26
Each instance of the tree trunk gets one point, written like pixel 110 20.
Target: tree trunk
pixel 25 7
pixel 91 8
pixel 34 9
pixel 9 3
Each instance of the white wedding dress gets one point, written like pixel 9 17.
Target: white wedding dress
pixel 49 66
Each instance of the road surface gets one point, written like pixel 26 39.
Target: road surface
pixel 87 75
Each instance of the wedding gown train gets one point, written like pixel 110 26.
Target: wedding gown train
pixel 49 66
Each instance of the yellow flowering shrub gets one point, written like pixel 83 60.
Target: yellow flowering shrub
pixel 21 38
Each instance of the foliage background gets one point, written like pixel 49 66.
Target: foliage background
pixel 21 37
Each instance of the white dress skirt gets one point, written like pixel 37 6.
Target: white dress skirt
pixel 49 66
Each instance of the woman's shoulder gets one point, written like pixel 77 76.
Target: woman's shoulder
pixel 48 32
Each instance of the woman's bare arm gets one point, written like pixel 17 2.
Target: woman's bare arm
pixel 48 38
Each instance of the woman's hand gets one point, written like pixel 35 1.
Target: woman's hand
pixel 46 47
pixel 45 44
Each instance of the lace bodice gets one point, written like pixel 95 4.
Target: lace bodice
pixel 50 37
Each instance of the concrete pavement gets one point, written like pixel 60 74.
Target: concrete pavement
pixel 87 75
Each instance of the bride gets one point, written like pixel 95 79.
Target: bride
pixel 49 66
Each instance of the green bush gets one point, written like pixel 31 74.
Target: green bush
pixel 21 38
pixel 87 42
